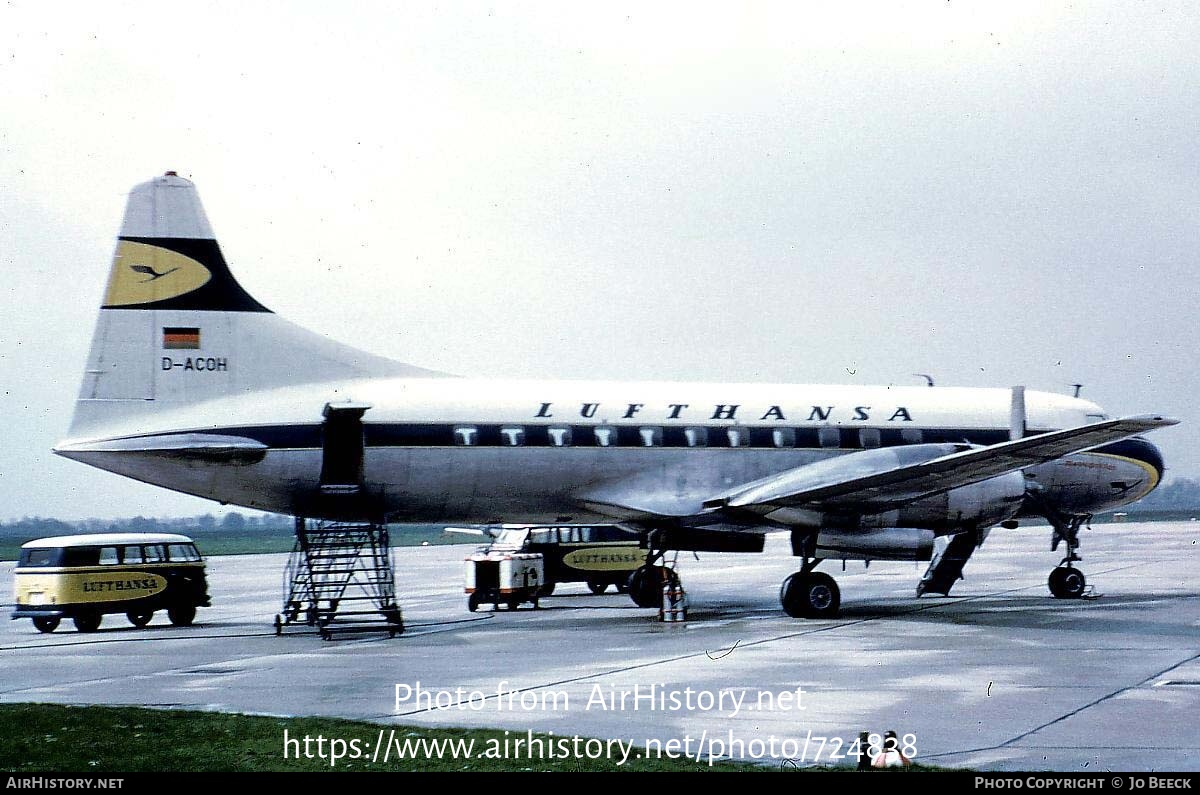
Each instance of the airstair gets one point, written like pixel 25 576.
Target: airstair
pixel 946 567
pixel 340 579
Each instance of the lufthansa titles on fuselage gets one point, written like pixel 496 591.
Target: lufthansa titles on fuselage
pixel 729 411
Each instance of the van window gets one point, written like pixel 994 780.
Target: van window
pixel 153 553
pixel 81 556
pixel 38 557
pixel 177 552
pixel 108 556
pixel 133 555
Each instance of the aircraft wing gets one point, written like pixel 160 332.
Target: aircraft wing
pixel 875 483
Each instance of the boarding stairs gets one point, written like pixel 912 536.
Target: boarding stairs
pixel 946 567
pixel 340 579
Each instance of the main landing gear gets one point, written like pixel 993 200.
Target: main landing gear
pixel 1066 581
pixel 645 584
pixel 810 594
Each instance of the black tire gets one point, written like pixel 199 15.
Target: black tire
pixel 46 623
pixel 597 587
pixel 1067 583
pixel 547 589
pixel 473 601
pixel 182 615
pixel 141 619
pixel 811 595
pixel 87 622
pixel 513 604
pixel 646 585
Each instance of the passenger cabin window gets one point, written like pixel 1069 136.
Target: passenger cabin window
pixel 182 552
pixel 108 556
pixel 651 437
pixel 560 436
pixel 466 435
pixel 783 437
pixel 513 435
pixel 869 438
pixel 911 435
pixel 133 555
pixel 153 553
pixel 696 437
pixel 606 436
pixel 829 437
pixel 737 437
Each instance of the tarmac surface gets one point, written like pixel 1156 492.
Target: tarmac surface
pixel 998 676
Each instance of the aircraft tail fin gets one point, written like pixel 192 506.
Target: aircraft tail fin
pixel 176 327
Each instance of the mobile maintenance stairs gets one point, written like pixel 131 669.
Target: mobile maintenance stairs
pixel 340 579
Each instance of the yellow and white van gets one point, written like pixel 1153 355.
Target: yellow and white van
pixel 88 576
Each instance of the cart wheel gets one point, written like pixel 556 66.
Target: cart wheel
pixel 473 602
pixel 535 603
pixel 46 623
pixel 597 587
pixel 141 619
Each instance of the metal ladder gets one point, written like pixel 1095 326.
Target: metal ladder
pixel 339 578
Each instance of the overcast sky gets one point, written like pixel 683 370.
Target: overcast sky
pixel 994 193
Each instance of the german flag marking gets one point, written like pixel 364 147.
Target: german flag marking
pixel 176 338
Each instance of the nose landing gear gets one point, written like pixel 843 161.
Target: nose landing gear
pixel 1066 581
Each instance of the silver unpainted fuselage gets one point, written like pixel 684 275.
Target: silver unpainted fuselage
pixel 470 451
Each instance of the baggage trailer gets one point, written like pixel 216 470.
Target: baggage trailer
pixel 504 576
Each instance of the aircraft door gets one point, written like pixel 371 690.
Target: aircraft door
pixel 342 448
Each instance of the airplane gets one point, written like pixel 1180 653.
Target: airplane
pixel 193 385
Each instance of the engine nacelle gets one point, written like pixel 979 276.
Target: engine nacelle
pixel 983 504
pixel 884 543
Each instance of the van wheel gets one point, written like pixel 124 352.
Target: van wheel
pixel 140 620
pixel 597 587
pixel 182 615
pixel 87 622
pixel 46 623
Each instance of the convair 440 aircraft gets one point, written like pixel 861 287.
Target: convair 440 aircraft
pixel 193 385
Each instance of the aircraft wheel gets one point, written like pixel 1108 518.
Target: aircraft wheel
pixel 811 595
pixel 473 601
pixel 87 622
pixel 140 620
pixel 182 615
pixel 1067 583
pixel 646 584
pixel 597 587
pixel 46 623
